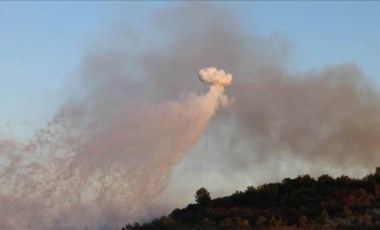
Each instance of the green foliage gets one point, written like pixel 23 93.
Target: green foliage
pixel 202 197
pixel 302 202
pixel 251 188
pixel 325 179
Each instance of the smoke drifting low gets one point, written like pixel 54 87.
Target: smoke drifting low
pixel 329 117
pixel 106 175
pixel 111 149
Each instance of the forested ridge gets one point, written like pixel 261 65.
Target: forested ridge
pixel 300 203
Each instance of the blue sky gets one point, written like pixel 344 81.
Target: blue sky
pixel 326 32
pixel 42 43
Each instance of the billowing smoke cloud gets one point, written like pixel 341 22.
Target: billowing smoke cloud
pixel 331 115
pixel 104 172
pixel 218 79
pixel 112 147
pixel 282 123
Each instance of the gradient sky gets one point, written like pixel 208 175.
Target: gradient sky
pixel 42 43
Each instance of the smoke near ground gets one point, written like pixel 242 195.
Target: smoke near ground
pixel 128 135
pixel 104 172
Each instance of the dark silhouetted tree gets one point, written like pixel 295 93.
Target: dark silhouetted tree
pixel 300 203
pixel 325 179
pixel 202 197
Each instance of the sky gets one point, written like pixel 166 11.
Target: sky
pixel 42 43
pixel 322 123
pixel 327 32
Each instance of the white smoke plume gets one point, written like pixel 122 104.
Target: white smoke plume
pixel 217 79
pixel 75 176
pixel 214 77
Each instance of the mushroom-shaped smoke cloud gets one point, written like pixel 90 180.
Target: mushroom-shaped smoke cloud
pixel 217 79
pixel 213 76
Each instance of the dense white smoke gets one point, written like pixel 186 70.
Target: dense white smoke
pixel 217 79
pixel 94 174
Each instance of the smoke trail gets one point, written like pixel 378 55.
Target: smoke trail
pixel 282 123
pixel 111 148
pixel 329 116
pixel 106 176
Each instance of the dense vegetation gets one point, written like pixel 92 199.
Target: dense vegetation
pixel 303 202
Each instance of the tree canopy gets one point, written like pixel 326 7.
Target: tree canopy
pixel 202 197
pixel 299 203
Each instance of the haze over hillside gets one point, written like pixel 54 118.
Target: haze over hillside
pixel 133 127
pixel 298 203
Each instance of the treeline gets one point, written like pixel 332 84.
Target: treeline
pixel 299 203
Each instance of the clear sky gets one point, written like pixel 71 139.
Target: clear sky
pixel 42 43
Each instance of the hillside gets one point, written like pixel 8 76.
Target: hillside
pixel 302 202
